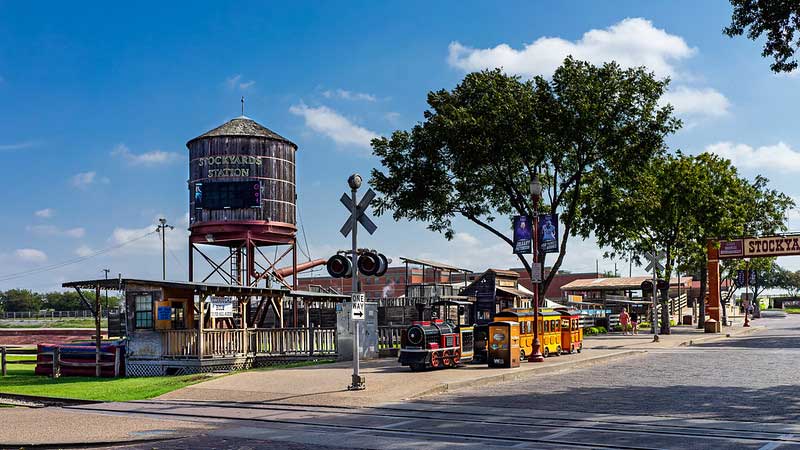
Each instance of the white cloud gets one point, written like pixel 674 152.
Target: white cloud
pixel 696 102
pixel 30 255
pixel 631 42
pixel 84 179
pixel 236 82
pixel 18 145
pixel 52 230
pixel 176 239
pixel 44 213
pixel 328 122
pixel 151 158
pixel 83 251
pixel 349 95
pixel 779 157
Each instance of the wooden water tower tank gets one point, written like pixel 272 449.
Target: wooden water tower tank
pixel 241 191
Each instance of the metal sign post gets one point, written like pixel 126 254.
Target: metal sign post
pixel 655 265
pixel 357 215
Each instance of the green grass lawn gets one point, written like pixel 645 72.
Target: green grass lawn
pixel 792 310
pixel 21 380
pixel 72 322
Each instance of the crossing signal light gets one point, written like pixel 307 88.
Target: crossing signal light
pixel 370 263
pixel 340 266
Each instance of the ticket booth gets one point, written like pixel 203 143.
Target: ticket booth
pixel 503 345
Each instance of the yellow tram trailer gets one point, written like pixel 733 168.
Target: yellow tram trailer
pixel 549 330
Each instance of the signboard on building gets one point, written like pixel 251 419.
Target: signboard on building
pixel 164 313
pixel 221 307
pixel 523 235
pixel 771 246
pixel 548 233
pixel 731 249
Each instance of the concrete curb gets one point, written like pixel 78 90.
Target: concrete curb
pixel 715 337
pixel 512 376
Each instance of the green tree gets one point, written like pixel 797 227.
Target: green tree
pixel 20 300
pixel 791 282
pixel 476 153
pixel 760 211
pixel 665 207
pixel 63 301
pixel 778 19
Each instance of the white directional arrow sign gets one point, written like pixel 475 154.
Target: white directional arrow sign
pixel 361 215
pixel 654 260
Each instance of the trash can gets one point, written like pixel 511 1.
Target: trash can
pixel 712 326
pixel 687 319
pixel 503 344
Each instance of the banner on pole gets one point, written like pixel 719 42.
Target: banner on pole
pixel 523 235
pixel 548 233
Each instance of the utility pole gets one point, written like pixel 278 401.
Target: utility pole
pixel 162 228
pixel 106 273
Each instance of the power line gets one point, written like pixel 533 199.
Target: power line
pixel 306 253
pixel 69 262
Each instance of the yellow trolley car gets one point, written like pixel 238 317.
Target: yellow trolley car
pixel 549 331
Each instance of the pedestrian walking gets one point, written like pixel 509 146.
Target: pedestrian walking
pixel 634 323
pixel 624 318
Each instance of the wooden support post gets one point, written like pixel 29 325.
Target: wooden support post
pixel 116 362
pixel 3 361
pixel 245 340
pixel 97 339
pixel 713 307
pixel 200 327
pixel 309 331
pixel 56 362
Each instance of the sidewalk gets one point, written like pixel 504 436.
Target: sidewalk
pixel 681 336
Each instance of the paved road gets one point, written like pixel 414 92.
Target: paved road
pixel 734 393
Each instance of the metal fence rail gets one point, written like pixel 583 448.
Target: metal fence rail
pixel 50 314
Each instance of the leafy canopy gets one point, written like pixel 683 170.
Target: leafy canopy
pixel 778 19
pixel 480 145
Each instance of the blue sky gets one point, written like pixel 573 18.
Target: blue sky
pixel 98 101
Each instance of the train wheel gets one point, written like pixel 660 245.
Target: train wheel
pixel 546 352
pixel 572 349
pixel 435 361
pixel 446 358
pixel 456 360
pixel 522 356
pixel 558 351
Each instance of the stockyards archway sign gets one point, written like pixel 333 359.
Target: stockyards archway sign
pixel 749 247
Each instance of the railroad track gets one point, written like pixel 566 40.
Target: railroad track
pixel 494 427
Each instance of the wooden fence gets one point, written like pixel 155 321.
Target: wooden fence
pixel 256 341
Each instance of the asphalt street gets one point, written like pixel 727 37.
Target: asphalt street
pixel 738 392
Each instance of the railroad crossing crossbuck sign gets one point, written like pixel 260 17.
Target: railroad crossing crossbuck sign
pixel 360 212
pixel 654 261
pixel 357 312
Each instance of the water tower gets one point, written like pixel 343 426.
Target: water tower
pixel 242 197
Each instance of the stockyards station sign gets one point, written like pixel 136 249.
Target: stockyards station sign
pixel 760 247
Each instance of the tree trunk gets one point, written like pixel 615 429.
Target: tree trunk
pixel 665 313
pixel 701 308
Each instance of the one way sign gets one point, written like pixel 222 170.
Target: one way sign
pixel 357 311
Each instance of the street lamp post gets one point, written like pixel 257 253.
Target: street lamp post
pixel 536 192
